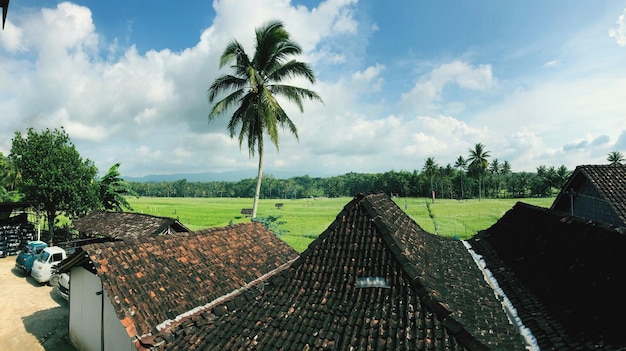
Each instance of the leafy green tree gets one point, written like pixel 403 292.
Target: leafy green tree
pixel 478 164
pixel 8 180
pixel 53 174
pixel 113 190
pixel 255 84
pixel 615 158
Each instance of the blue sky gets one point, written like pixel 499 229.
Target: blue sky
pixel 537 82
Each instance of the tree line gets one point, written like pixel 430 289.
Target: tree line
pixel 465 179
pixel 448 182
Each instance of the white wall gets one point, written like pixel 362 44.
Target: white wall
pixel 115 335
pixel 86 316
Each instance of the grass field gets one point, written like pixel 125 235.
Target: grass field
pixel 307 218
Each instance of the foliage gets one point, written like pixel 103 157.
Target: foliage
pixel 458 181
pixel 254 87
pixel 113 190
pixel 8 179
pixel 272 223
pixel 449 183
pixel 615 158
pixel 53 174
pixel 478 164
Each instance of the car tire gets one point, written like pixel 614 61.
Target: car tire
pixel 54 280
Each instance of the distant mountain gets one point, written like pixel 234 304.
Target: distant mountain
pixel 218 177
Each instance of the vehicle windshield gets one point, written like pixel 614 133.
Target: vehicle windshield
pixel 43 257
pixel 26 249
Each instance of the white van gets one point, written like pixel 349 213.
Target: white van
pixel 46 262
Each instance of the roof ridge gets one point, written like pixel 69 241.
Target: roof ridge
pixel 425 294
pixel 151 341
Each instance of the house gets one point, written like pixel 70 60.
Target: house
pixel 595 192
pixel 564 275
pixel 374 280
pixel 123 290
pixel 123 225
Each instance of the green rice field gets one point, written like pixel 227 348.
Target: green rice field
pixel 305 219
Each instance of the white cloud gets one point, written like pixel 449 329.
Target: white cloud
pixel 149 109
pixel 11 38
pixel 619 33
pixel 427 92
pixel 553 63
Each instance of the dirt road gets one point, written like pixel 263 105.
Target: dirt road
pixel 32 316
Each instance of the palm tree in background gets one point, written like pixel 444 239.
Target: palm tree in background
pixel 615 158
pixel 113 190
pixel 495 168
pixel 506 167
pixel 478 164
pixel 254 86
pixel 431 168
pixel 461 165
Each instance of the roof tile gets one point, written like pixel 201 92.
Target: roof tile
pixel 148 282
pixel 563 275
pixel 437 298
pixel 121 225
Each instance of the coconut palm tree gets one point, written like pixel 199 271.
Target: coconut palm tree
pixel 615 158
pixel 431 168
pixel 478 163
pixel 505 168
pixel 495 168
pixel 461 165
pixel 253 87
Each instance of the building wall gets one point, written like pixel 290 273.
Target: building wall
pixel 116 338
pixel 589 204
pixel 88 310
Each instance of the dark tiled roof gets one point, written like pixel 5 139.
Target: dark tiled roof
pixel 609 181
pixel 436 299
pixel 150 280
pixel 564 276
pixel 120 225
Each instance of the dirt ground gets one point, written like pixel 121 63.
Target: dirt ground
pixel 32 316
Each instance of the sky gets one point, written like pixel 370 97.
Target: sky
pixel 536 82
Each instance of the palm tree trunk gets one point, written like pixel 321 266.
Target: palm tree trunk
pixel 258 184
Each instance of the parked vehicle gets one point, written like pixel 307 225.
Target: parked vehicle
pixel 62 282
pixel 46 263
pixel 29 254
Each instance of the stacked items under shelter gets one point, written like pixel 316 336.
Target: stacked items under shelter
pixel 15 229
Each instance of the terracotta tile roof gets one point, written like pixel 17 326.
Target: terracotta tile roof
pixel 150 280
pixel 120 225
pixel 565 276
pixel 609 182
pixel 434 296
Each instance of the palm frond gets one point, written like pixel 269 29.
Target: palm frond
pixel 224 83
pixel 295 94
pixel 292 69
pixel 234 51
pixel 268 38
pixel 225 104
